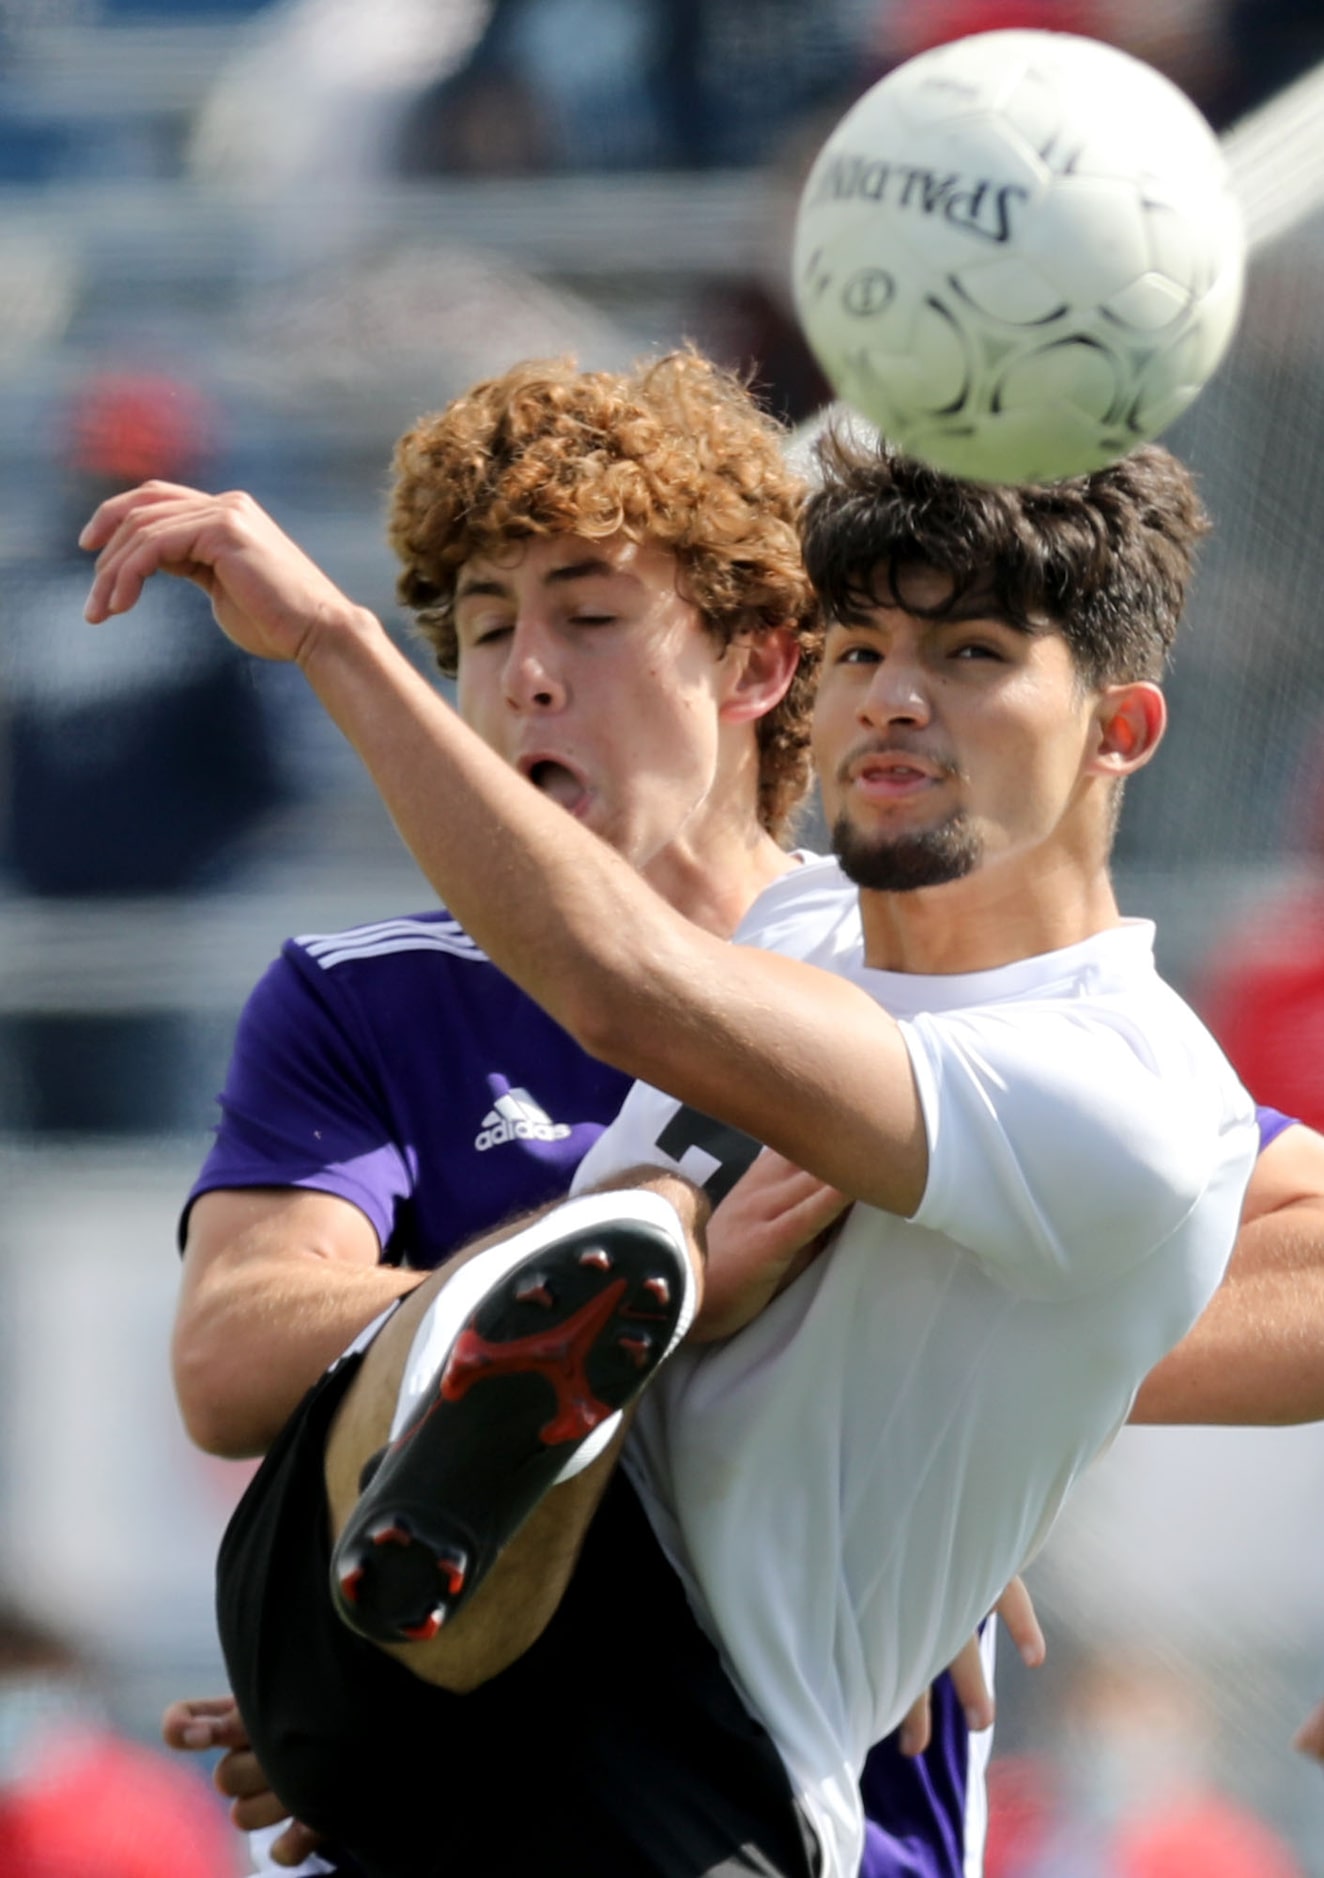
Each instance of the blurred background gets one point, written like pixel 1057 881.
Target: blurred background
pixel 244 243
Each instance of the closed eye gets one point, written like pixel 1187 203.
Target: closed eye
pixel 488 635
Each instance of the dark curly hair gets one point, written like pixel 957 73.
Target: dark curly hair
pixel 1107 556
pixel 675 452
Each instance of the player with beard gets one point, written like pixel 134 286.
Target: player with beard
pixel 1046 1151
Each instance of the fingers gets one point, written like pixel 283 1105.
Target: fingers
pixel 775 1174
pixel 1015 1611
pixel 151 529
pixel 295 1844
pixel 1309 1737
pixel 971 1686
pixel 107 519
pixel 198 1723
pixel 776 1191
pixel 239 1776
pixel 916 1730
pixel 263 1809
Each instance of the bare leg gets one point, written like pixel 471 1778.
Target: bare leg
pixel 470 1370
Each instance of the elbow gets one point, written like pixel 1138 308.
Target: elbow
pixel 215 1415
pixel 608 1028
pixel 624 1015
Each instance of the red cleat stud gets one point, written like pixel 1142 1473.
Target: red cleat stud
pixel 427 1630
pixel 597 1258
pixel 454 1565
pixel 637 1348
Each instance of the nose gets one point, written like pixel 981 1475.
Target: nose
pixel 898 693
pixel 532 680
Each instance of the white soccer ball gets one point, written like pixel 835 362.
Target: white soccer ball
pixel 1018 254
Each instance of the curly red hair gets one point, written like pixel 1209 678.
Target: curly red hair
pixel 676 453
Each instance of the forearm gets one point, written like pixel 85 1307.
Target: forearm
pixel 1256 1356
pixel 251 1339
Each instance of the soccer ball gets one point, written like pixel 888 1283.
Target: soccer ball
pixel 1018 255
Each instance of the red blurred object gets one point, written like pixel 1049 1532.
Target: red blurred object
pixel 1203 1838
pixel 936 22
pixel 1264 1002
pixel 1022 1805
pixel 105 1808
pixel 1262 994
pixel 126 426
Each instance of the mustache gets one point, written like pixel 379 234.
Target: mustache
pixel 911 748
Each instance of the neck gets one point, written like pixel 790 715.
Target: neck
pixel 715 884
pixel 992 917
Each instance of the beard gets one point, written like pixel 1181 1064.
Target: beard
pixel 905 863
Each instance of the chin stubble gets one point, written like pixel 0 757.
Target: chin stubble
pixel 904 863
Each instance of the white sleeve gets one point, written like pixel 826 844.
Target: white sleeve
pixel 654 1130
pixel 630 1141
pixel 1064 1144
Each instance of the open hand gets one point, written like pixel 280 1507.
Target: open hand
pixel 772 1223
pixel 266 594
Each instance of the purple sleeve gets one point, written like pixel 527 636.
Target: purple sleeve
pixel 301 1106
pixel 1272 1123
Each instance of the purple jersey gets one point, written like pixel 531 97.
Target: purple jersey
pixel 395 1066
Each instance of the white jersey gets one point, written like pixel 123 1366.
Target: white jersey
pixel 847 1485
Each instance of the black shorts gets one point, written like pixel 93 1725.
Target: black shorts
pixel 615 1748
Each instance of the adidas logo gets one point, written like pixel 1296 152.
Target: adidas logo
pixel 517 1117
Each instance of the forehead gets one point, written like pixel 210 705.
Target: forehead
pixel 557 559
pixel 919 590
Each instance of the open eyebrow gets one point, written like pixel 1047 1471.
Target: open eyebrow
pixel 970 609
pixel 593 567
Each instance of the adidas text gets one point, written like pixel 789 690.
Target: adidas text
pixel 507 1130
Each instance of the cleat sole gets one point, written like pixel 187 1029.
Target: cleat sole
pixel 507 1408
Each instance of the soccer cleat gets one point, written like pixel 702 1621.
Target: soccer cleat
pixel 516 1379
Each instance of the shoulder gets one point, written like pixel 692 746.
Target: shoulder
pixel 810 912
pixel 1077 1123
pixel 1103 1039
pixel 363 979
pixel 433 933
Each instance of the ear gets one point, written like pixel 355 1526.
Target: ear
pixel 761 666
pixel 1130 722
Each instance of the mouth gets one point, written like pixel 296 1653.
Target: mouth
pixel 558 782
pixel 887 776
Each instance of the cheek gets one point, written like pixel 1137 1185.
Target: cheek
pixel 832 724
pixel 1039 769
pixel 478 704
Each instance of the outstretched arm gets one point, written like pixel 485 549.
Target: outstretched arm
pixel 799 1059
pixel 1256 1356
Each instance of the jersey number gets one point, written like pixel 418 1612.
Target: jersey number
pixel 733 1151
